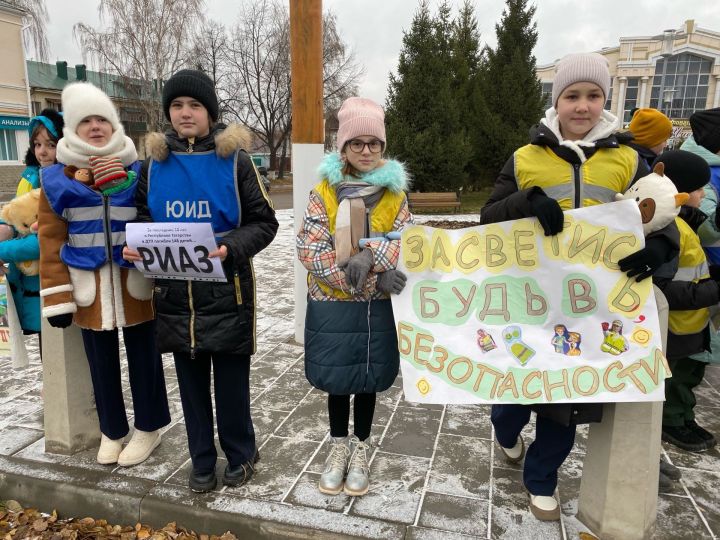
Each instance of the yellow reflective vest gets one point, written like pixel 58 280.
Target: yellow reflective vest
pixel 380 220
pixel 692 266
pixel 607 172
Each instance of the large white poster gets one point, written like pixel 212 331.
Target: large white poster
pixel 503 314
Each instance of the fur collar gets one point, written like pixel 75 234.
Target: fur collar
pixel 391 175
pixel 224 140
pixel 606 126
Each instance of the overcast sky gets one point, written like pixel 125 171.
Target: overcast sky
pixel 374 28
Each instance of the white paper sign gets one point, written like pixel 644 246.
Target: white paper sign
pixel 503 314
pixel 175 250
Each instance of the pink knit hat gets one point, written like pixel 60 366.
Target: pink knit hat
pixel 360 116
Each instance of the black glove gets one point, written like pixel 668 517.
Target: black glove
pixel 692 216
pixel 548 212
pixel 715 272
pixel 391 282
pixel 61 321
pixel 644 263
pixel 357 268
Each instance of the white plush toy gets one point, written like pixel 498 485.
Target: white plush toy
pixel 657 197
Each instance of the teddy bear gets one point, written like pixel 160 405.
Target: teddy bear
pixel 22 213
pixel 657 197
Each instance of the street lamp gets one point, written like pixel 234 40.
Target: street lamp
pixel 668 40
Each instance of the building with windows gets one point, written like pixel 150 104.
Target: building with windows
pixel 14 95
pixel 48 80
pixel 676 71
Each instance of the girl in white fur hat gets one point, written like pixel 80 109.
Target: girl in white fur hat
pixel 88 197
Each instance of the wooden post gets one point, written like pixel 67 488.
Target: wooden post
pixel 308 132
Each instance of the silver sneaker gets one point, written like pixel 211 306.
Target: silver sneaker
pixel 358 479
pixel 331 480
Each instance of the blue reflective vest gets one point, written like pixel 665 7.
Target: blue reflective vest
pixel 198 187
pixel 96 222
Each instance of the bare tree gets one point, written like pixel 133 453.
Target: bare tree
pixel 341 72
pixel 35 29
pixel 259 64
pixel 259 79
pixel 210 54
pixel 144 42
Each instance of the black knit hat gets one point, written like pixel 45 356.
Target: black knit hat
pixel 687 171
pixel 48 118
pixel 191 83
pixel 706 129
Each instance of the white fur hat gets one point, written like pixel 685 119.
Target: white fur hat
pixel 83 99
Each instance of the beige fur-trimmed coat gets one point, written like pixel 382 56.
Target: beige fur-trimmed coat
pixel 102 299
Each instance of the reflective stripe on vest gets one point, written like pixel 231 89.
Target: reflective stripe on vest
pixel 380 219
pixel 607 172
pixel 692 266
pixel 94 238
pixel 87 213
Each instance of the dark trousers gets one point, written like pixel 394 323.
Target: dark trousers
pixel 679 396
pixel 231 375
pixel 551 446
pixel 339 412
pixel 147 381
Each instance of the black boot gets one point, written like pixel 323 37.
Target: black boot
pixel 703 433
pixel 684 438
pixel 671 471
pixel 240 475
pixel 201 482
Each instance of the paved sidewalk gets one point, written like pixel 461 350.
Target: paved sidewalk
pixel 435 471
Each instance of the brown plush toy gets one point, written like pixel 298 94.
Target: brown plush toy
pixel 22 213
pixel 81 175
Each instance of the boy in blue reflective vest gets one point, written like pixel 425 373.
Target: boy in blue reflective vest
pixel 200 171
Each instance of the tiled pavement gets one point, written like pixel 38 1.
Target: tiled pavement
pixel 435 471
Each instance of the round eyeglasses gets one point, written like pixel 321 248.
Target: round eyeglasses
pixel 358 146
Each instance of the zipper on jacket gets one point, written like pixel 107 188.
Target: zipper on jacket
pixel 108 230
pixel 367 362
pixel 191 142
pixel 192 320
pixel 108 248
pixel 578 185
pixel 238 292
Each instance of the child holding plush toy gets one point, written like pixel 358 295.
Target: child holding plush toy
pixel 19 244
pixel 87 199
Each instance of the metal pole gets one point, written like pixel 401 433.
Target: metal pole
pixel 307 123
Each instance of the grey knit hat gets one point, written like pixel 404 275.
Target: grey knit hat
pixel 581 67
pixel 194 84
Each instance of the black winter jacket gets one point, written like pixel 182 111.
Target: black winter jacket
pixel 211 317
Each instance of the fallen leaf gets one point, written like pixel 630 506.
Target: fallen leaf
pixel 40 525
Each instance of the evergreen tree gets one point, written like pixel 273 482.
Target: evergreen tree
pixel 466 60
pixel 423 120
pixel 508 97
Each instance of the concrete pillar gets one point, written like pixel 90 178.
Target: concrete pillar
pixel 641 103
pixel 716 99
pixel 619 486
pixel 71 422
pixel 621 100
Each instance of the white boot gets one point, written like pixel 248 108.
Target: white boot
pixel 139 448
pixel 544 508
pixel 109 450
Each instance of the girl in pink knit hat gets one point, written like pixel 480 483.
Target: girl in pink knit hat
pixel 350 342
